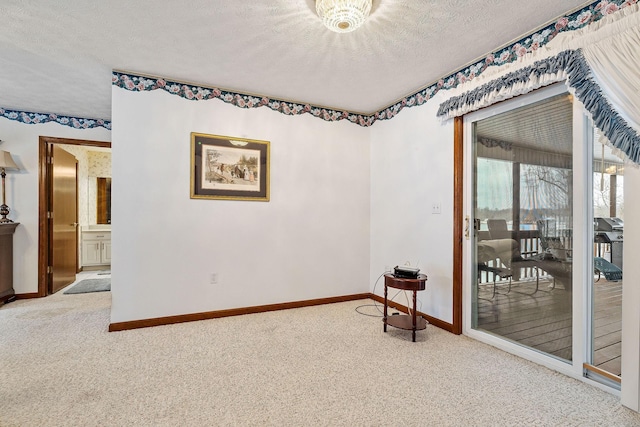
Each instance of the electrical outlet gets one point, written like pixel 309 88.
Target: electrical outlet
pixel 213 279
pixel 436 208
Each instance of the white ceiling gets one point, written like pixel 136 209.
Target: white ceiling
pixel 57 56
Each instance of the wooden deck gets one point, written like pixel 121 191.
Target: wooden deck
pixel 542 320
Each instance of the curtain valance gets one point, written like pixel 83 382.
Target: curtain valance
pixel 541 73
pixel 569 65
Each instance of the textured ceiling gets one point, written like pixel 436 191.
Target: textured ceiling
pixel 57 57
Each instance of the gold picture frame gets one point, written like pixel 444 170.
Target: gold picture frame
pixel 229 168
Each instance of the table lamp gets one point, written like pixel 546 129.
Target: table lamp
pixel 6 163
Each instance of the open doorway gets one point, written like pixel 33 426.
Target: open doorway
pixel 49 242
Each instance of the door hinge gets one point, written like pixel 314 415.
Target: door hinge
pixel 50 160
pixel 49 269
pixel 49 215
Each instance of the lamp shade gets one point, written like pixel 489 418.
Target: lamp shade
pixel 6 161
pixel 343 16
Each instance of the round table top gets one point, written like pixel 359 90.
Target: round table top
pixel 407 283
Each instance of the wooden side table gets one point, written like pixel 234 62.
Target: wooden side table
pixel 411 323
pixel 7 294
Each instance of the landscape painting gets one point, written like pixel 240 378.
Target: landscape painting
pixel 229 168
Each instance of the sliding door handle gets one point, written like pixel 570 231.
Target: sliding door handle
pixel 466 227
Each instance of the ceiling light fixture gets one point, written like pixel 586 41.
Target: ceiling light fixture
pixel 343 16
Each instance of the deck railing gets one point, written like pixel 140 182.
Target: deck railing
pixel 530 245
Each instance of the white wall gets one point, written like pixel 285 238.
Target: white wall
pixel 411 169
pixel 21 140
pixel 310 241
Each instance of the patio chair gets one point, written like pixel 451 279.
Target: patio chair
pixel 611 271
pixel 505 258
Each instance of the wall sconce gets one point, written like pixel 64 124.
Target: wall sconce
pixel 6 163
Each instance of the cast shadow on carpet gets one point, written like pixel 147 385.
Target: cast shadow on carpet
pixel 90 285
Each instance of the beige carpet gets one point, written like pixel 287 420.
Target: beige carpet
pixel 317 366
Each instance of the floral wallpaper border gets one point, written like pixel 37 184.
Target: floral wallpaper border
pixel 36 118
pixel 577 20
pixel 198 93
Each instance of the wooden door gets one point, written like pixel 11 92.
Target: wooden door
pixel 64 239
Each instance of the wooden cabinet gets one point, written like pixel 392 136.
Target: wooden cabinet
pixel 96 247
pixel 6 261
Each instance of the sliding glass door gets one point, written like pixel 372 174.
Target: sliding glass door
pixel 522 205
pixel 605 343
pixel 543 252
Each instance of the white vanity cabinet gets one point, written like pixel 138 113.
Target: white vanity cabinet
pixel 96 247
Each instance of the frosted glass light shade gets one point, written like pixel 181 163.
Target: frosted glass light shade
pixel 343 16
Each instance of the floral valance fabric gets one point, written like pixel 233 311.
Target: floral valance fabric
pixel 569 65
pixel 524 80
pixel 613 126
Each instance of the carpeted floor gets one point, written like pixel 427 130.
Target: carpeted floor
pixel 316 366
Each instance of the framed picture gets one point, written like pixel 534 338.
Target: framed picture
pixel 223 167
